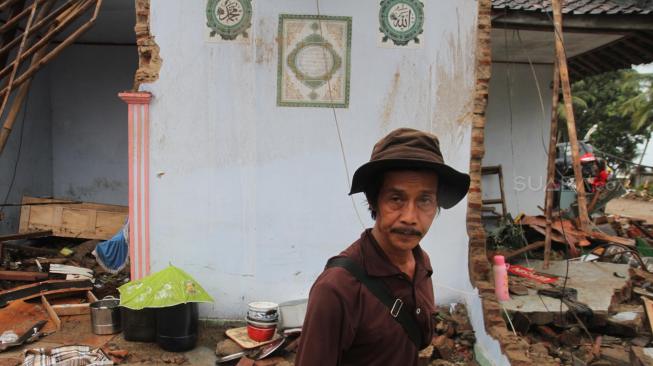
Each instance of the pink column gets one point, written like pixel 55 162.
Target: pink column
pixel 139 182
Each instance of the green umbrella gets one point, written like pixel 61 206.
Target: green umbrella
pixel 168 287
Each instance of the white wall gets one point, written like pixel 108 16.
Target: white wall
pixel 89 122
pixel 34 170
pixel 251 199
pixel 520 146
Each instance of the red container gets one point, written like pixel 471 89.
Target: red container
pixel 260 334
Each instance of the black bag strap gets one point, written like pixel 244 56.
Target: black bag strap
pixel 378 288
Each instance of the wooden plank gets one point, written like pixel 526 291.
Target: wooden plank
pixel 71 309
pixel 503 192
pixel 648 306
pixel 90 296
pixel 529 247
pixel 34 250
pixel 28 235
pixel 583 216
pixel 83 205
pixel 614 239
pixel 49 287
pixel 53 314
pixel 493 201
pixel 83 220
pixel 22 276
pixel 592 23
pixel 550 168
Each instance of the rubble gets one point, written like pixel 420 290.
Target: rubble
pixel 593 305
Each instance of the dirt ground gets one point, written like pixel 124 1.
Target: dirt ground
pixel 631 208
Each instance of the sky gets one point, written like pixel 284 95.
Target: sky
pixel 648 157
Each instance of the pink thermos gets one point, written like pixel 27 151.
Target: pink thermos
pixel 500 278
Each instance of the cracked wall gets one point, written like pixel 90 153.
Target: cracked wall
pixel 149 60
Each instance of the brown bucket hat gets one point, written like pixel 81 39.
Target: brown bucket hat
pixel 407 148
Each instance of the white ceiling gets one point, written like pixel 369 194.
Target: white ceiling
pixel 518 45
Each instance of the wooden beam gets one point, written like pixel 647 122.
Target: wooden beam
pixel 6 4
pixel 51 312
pixel 607 65
pixel 33 250
pixel 599 23
pixel 36 27
pixel 577 65
pixel 9 37
pixel 630 43
pixel 583 217
pixel 49 287
pixel 550 168
pixel 648 306
pixel 609 54
pixel 589 65
pixel 528 248
pixel 633 56
pixel 645 37
pixel 34 234
pixel 54 52
pixel 610 238
pixel 20 97
pixel 71 309
pixel 23 276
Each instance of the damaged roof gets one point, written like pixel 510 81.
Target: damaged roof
pixel 601 35
pixel 580 6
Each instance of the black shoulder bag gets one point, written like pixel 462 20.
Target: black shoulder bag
pixel 378 288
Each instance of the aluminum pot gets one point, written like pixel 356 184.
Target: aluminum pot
pixel 105 316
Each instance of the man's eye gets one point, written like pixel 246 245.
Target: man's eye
pixel 426 202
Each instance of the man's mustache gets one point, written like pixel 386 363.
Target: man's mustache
pixel 406 231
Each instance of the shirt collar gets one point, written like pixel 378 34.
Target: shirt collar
pixel 377 263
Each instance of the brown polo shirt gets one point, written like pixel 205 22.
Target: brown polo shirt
pixel 346 324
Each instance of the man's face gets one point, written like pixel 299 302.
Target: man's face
pixel 406 207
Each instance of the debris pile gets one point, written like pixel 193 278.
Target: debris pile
pixel 593 303
pixel 640 195
pixel 48 273
pixel 453 338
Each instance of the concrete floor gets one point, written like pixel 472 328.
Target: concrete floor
pixel 596 284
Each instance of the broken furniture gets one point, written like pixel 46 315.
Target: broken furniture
pixel 72 219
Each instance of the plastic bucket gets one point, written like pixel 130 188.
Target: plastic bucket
pixel 138 325
pixel 176 327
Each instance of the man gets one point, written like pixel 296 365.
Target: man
pixel 373 305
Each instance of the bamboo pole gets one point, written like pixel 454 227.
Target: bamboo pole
pixel 583 217
pixel 21 95
pixel 10 36
pixel 62 21
pixel 550 169
pixel 55 51
pixel 6 4
pixel 36 27
pixel 16 64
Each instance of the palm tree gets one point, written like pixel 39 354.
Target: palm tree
pixel 640 107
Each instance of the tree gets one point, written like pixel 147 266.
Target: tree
pixel 612 101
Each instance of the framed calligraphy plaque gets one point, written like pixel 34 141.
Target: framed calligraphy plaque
pixel 228 20
pixel 401 23
pixel 314 61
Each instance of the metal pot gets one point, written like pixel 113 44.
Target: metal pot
pixel 105 316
